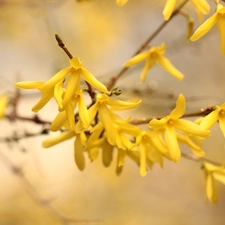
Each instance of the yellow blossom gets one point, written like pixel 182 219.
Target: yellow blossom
pixel 217 115
pixel 151 147
pixel 213 173
pixel 3 105
pixel 121 2
pixel 201 6
pixel 153 55
pixel 169 124
pixel 219 18
pixel 68 114
pixel 54 86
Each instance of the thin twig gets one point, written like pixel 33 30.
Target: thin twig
pixel 114 79
pixel 202 112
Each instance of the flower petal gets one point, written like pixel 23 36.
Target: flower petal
pixel 180 107
pixel 73 84
pixel 87 76
pixel 166 64
pixel 3 105
pixel 46 96
pixel 56 140
pixel 79 152
pixel 222 124
pixel 211 191
pixel 136 59
pixel 83 113
pixel 142 150
pixel 204 28
pixel 29 84
pixel 221 28
pixel 122 105
pixel 148 65
pixel 58 92
pixel 202 6
pixel 191 128
pixel 121 2
pixel 107 153
pixel 168 9
pixel 172 143
pixel 58 122
pixel 55 79
pixel 209 120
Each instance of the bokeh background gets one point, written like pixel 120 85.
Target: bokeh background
pixel 104 36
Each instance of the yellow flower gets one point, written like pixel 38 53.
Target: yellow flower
pixel 151 148
pixel 169 124
pixel 121 2
pixel 213 173
pixel 201 7
pixel 153 55
pixel 219 18
pixel 68 114
pixel 104 105
pixel 217 115
pixel 54 86
pixel 3 105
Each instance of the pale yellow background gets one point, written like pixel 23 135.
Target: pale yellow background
pixel 104 36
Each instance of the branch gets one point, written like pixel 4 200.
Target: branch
pixel 114 79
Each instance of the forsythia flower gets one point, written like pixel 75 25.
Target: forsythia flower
pixel 105 107
pixel 54 86
pixel 217 115
pixel 151 148
pixel 3 105
pixel 153 55
pixel 219 18
pixel 169 124
pixel 202 7
pixel 213 173
pixel 121 2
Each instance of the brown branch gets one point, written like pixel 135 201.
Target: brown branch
pixel 34 194
pixel 114 79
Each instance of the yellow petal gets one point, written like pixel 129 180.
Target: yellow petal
pixel 172 143
pixel 46 96
pixel 202 6
pixel 29 84
pixel 122 105
pixel 3 105
pixel 56 140
pixel 211 191
pixel 107 154
pixel 204 28
pixel 209 120
pixel 121 2
pixel 73 84
pixel 148 65
pixel 60 76
pixel 222 124
pixel 220 176
pixel 105 118
pixel 79 152
pixel 121 157
pixel 168 9
pixel 191 128
pixel 166 64
pixel 70 113
pixel 58 122
pixel 136 59
pixel 180 107
pixel 87 76
pixel 221 28
pixel 58 92
pixel 142 150
pixel 83 113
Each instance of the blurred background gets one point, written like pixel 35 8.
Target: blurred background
pixel 104 36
